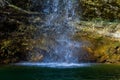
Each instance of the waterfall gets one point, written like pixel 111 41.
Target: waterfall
pixel 58 30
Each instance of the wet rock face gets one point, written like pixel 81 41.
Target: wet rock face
pixel 4 26
pixel 24 4
pixel 102 46
pixel 107 9
pixel 14 32
pixel 38 5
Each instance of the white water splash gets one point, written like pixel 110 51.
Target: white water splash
pixel 55 65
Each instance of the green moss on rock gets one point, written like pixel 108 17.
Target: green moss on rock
pixel 106 9
pixel 101 48
pixel 16 46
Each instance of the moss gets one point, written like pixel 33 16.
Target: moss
pixel 100 47
pixel 106 9
pixel 18 43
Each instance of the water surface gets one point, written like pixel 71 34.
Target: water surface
pixel 90 72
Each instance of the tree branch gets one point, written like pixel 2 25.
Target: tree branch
pixel 6 3
pixel 22 10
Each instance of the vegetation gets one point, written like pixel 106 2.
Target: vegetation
pixel 16 33
pixel 100 46
pixel 105 9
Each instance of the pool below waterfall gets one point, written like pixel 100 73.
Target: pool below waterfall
pixel 33 71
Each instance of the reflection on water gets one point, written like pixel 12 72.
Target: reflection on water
pixel 93 72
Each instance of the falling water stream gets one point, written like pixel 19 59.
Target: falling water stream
pixel 58 30
pixel 61 53
pixel 60 13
